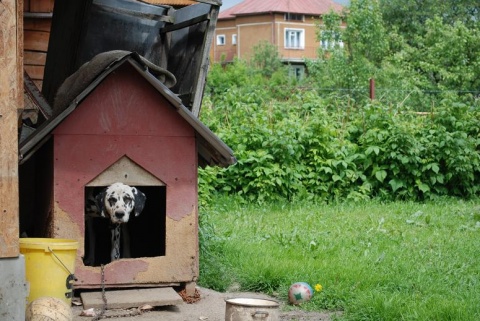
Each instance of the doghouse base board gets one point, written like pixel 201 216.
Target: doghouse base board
pixel 124 299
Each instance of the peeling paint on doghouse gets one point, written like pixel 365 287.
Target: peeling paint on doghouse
pixel 182 265
pixel 116 273
pixel 175 267
pixel 65 227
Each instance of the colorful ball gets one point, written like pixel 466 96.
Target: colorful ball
pixel 300 292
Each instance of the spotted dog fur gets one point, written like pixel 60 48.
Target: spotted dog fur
pixel 117 203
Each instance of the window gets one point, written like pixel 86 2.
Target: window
pixel 234 39
pixel 296 71
pixel 293 17
pixel 294 38
pixel 331 40
pixel 220 40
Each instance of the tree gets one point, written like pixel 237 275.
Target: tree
pixel 266 58
pixel 409 17
pixel 366 45
pixel 448 56
pixel 406 47
pixel 365 33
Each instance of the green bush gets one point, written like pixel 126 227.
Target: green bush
pixel 322 137
pixel 308 146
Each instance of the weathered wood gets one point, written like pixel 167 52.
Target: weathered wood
pixel 32 90
pixel 36 43
pixel 185 24
pixel 11 99
pixel 19 67
pixel 205 60
pixel 124 299
pixel 36 40
pixel 39 84
pixel 37 24
pixel 188 52
pixel 35 72
pixel 34 58
pixel 41 5
pixel 133 175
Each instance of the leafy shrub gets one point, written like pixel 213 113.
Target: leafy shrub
pixel 318 147
pixel 323 138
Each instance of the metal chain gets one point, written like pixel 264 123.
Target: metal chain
pixel 116 242
pixel 104 296
pixel 102 315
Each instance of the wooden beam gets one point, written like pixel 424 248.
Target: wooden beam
pixel 41 6
pixel 37 24
pixel 35 72
pixel 34 58
pixel 11 99
pixel 36 40
pixel 184 24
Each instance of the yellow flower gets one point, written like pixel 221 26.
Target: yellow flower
pixel 318 287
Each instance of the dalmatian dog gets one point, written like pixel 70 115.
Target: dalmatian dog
pixel 116 203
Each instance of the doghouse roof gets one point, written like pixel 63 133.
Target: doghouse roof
pixel 211 149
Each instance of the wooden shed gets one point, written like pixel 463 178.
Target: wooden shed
pixel 124 125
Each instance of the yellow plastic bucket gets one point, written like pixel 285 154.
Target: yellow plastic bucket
pixel 49 267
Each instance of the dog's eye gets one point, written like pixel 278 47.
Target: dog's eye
pixel 112 201
pixel 127 199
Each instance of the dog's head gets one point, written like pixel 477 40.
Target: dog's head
pixel 118 201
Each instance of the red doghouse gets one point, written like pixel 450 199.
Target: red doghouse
pixel 125 125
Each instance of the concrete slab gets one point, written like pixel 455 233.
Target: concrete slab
pixel 124 299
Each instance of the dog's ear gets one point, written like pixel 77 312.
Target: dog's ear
pixel 139 200
pixel 100 202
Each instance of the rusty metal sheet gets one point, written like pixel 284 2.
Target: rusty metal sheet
pixel 83 28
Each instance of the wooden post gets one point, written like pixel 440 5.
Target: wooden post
pixel 372 88
pixel 11 99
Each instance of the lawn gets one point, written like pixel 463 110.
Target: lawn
pixel 374 260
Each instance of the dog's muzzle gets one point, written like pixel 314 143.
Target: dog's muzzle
pixel 119 217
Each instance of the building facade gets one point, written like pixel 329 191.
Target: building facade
pixel 290 25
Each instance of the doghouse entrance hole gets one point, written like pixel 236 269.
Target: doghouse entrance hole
pixel 147 232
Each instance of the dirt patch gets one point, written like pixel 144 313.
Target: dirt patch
pixel 210 307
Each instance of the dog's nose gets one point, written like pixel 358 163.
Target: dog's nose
pixel 119 214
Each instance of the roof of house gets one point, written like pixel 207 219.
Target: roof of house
pixel 211 150
pixel 307 7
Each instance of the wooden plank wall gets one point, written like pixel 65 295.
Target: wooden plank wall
pixel 11 100
pixel 37 23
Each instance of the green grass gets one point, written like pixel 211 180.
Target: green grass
pixel 375 261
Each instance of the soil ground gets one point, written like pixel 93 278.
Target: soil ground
pixel 210 307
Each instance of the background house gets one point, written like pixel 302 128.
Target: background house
pixel 287 24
